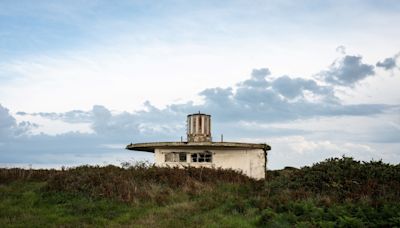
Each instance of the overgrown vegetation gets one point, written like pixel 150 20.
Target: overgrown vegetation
pixel 339 192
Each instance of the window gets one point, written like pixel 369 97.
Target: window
pixel 202 157
pixel 170 157
pixel 175 157
pixel 182 157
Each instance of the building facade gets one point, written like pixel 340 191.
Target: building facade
pixel 200 151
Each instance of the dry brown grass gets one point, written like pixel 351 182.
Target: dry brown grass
pixel 130 184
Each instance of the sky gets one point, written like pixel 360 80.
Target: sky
pixel 80 79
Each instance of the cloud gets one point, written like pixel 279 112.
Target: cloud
pixel 74 116
pixel 387 132
pixel 168 124
pixel 6 120
pixel 257 78
pixel 280 99
pixel 9 127
pixel 388 63
pixel 299 149
pixel 347 71
pixel 69 149
pixel 258 99
pixel 19 146
pixel 292 88
pixel 150 124
pixel 249 108
pixel 341 49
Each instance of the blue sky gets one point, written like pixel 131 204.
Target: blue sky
pixel 315 79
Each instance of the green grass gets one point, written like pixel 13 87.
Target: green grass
pixel 27 204
pixel 334 193
pixel 24 204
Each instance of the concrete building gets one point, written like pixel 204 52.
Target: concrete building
pixel 200 151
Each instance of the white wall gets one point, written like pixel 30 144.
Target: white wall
pixel 251 162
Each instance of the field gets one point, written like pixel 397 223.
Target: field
pixel 338 192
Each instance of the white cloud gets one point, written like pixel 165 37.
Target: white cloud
pixel 54 126
pixel 299 151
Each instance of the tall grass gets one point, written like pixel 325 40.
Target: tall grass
pixel 333 193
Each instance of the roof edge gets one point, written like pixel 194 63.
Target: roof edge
pixel 151 146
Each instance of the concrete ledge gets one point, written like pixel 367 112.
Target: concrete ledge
pixel 151 146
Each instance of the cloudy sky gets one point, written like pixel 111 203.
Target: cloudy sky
pixel 80 79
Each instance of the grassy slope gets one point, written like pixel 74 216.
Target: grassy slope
pixel 336 192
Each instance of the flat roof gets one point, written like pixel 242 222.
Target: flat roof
pixel 151 146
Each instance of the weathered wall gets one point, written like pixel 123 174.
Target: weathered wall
pixel 251 162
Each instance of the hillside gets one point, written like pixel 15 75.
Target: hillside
pixel 339 192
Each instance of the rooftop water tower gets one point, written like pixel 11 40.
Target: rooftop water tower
pixel 199 127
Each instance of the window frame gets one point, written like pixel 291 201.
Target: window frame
pixel 175 157
pixel 201 157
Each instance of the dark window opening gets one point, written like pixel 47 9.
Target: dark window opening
pixel 182 157
pixel 202 157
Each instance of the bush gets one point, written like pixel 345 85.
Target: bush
pixel 338 192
